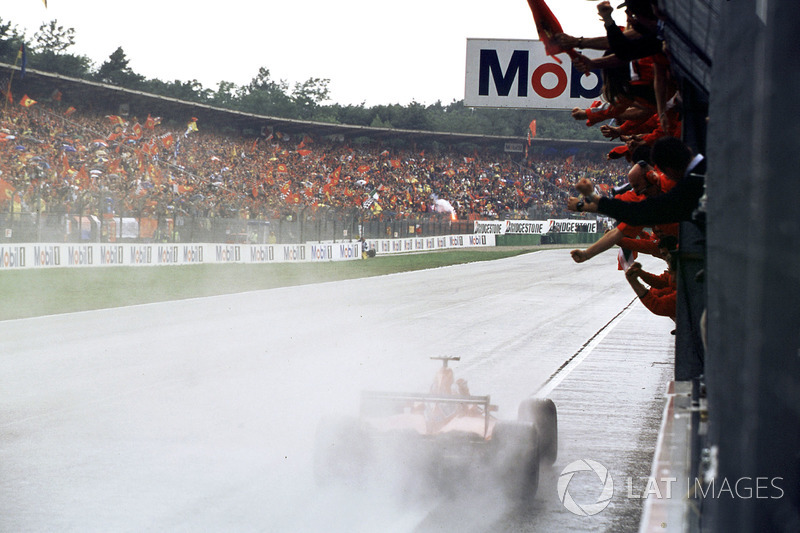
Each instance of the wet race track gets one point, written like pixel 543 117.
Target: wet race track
pixel 200 415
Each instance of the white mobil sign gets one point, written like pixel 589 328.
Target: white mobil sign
pixel 502 73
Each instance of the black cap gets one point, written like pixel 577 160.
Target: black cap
pixel 640 7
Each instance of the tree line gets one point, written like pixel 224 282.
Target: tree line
pixel 48 50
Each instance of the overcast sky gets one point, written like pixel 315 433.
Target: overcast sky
pixel 372 52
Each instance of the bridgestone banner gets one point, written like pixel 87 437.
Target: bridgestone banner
pixel 534 227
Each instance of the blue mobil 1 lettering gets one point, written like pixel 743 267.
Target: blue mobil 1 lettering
pixel 477 240
pixel 12 256
pixel 321 252
pixel 262 254
pixel 167 254
pixel 228 254
pixel 80 255
pixel 111 255
pixel 456 240
pixel 192 254
pixel 141 255
pixel 516 71
pixel 46 256
pixel 294 253
pixel 349 251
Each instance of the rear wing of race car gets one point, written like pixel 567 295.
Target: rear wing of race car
pixel 368 397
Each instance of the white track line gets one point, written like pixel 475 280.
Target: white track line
pixel 572 363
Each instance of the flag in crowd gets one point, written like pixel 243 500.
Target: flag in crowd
pixel 190 127
pixel 22 56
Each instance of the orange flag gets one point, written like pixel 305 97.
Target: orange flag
pixel 152 122
pixel 27 101
pixel 6 191
pixel 65 162
pixel 334 178
pixel 547 25
pixel 82 179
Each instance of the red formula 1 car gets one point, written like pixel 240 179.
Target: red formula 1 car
pixel 439 436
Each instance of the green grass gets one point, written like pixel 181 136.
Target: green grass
pixel 28 293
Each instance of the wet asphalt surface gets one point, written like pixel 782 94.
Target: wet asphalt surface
pixel 200 415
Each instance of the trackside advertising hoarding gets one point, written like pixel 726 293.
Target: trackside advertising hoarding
pixel 503 73
pixel 13 256
pixel 534 227
pixel 429 244
pixel 19 256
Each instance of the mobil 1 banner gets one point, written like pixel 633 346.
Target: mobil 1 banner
pixel 505 73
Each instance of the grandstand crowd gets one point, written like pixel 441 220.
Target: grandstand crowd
pixel 58 159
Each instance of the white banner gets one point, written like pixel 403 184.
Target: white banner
pixel 525 227
pixel 83 255
pixel 569 225
pixel 489 226
pixel 534 227
pixel 17 256
pixel 504 73
pixel 426 244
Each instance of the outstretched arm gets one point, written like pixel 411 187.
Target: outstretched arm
pixel 610 239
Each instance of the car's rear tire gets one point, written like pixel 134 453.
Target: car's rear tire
pixel 516 454
pixel 543 413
